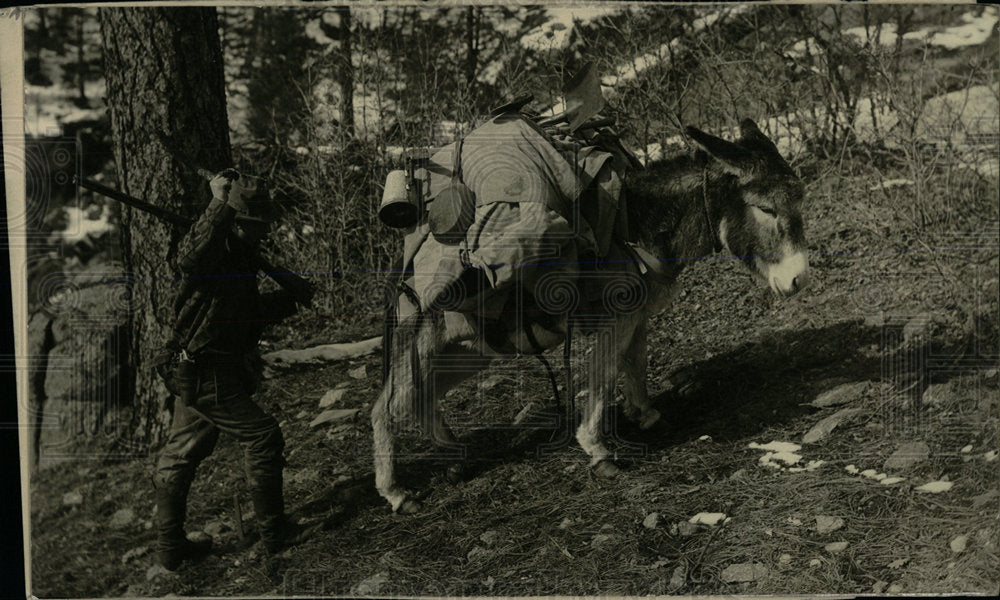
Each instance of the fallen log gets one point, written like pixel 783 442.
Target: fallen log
pixel 321 354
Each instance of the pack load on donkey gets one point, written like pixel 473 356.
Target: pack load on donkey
pixel 513 201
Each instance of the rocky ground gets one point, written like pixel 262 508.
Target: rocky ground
pixel 842 441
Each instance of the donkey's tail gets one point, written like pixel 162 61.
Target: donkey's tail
pixel 392 320
pixel 389 327
pixel 405 384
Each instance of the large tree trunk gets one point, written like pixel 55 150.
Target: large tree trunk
pixel 166 95
pixel 345 74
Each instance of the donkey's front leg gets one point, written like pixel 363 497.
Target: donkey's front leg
pixel 385 453
pixel 432 422
pixel 603 368
pixel 633 365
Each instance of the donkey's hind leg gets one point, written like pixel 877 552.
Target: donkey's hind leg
pixel 429 416
pixel 602 370
pixel 633 366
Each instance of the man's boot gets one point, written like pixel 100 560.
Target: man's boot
pixel 269 505
pixel 277 531
pixel 172 545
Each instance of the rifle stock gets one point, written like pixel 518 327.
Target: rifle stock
pixel 300 288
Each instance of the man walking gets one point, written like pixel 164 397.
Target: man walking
pixel 219 317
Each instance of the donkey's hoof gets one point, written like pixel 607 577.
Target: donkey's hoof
pixel 606 468
pixel 409 507
pixel 455 474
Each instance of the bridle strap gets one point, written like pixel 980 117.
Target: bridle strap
pixel 716 242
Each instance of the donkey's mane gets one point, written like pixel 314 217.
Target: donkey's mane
pixel 659 196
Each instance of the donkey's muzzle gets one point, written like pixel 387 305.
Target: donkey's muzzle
pixel 799 283
pixel 790 275
pixel 796 285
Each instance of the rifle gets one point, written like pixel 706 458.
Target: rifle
pixel 300 288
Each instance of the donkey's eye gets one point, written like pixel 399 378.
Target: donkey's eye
pixel 767 211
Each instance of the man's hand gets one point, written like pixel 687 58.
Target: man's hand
pixel 304 291
pixel 226 187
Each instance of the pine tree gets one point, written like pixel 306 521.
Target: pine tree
pixel 165 91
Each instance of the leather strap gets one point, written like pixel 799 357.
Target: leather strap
pixel 530 334
pixel 456 170
pixel 649 265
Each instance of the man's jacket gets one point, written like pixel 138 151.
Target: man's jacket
pixel 219 310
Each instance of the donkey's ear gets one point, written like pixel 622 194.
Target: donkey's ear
pixel 749 129
pixel 732 156
pixel 752 137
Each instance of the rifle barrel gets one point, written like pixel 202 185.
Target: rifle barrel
pixel 289 281
pixel 127 200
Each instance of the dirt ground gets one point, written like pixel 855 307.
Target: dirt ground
pixel 896 339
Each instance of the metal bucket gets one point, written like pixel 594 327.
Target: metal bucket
pixel 399 208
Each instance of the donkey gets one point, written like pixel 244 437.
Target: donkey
pixel 740 198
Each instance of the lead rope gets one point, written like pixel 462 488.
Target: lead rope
pixel 566 369
pixel 552 377
pixel 567 350
pixel 716 242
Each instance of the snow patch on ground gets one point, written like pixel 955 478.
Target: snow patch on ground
pixel 708 518
pixel 891 183
pixel 316 34
pixel 961 115
pixel 776 453
pixel 874 475
pixel 973 31
pixel 967 118
pixel 810 466
pixel 872 113
pixel 631 70
pixel 369 111
pixel 803 48
pixel 776 446
pixel 773 459
pixel 80 225
pixel 47 108
pixel 554 34
pixel 490 72
pixel 935 487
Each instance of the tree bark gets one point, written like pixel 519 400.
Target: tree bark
pixel 81 64
pixel 471 47
pixel 39 347
pixel 346 74
pixel 166 94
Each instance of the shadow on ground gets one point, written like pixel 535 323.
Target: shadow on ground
pixel 765 382
pixel 760 384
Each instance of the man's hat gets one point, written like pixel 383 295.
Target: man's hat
pixel 253 192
